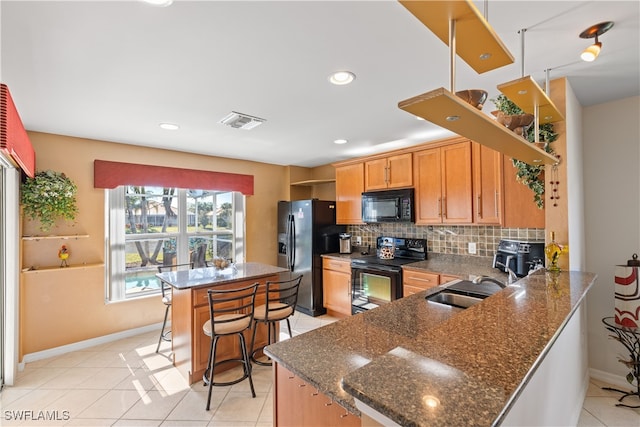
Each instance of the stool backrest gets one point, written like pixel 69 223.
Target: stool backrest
pixel 232 305
pixel 282 294
pixel 172 267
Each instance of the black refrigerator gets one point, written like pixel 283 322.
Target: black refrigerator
pixel 306 230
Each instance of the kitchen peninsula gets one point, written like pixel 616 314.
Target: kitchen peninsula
pixel 417 363
pixel 190 310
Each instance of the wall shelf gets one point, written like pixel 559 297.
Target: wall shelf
pixel 526 94
pixel 312 182
pixel 53 237
pixel 440 105
pixel 47 269
pixel 475 39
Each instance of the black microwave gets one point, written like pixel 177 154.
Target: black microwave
pixel 388 206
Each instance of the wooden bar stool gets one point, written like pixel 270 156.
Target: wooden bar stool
pixel 166 300
pixel 280 304
pixel 231 313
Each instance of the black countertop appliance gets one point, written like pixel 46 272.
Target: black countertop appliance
pixel 520 256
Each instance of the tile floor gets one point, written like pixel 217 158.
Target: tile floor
pixel 125 383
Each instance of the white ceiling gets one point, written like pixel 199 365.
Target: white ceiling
pixel 114 70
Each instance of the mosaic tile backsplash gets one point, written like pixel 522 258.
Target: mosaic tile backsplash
pixel 453 239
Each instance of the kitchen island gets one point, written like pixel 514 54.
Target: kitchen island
pixel 418 363
pixel 190 310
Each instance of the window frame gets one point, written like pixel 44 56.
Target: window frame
pixel 116 238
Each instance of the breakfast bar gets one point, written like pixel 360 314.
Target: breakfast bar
pixel 190 310
pixel 417 363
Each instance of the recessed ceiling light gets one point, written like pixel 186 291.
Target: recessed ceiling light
pixel 160 3
pixel 522 92
pixel 340 141
pixel 169 126
pixel 485 56
pixel 342 77
pixel 453 118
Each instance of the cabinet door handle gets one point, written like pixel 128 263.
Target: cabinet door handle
pixel 439 206
pixel 444 207
pixel 496 198
pixel 302 385
pixel 479 206
pixel 387 173
pixel 419 279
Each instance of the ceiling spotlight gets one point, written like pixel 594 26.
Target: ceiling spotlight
pixel 592 52
pixel 342 77
pixel 169 126
pixel 160 3
pixel 340 141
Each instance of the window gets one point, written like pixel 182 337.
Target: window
pixel 152 226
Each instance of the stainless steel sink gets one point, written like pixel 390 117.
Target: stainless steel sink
pixel 454 299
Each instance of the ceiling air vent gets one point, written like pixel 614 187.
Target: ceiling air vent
pixel 241 121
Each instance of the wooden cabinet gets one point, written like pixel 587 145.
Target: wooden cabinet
pixel 336 286
pixel 443 187
pixel 520 211
pixel 414 281
pixel 446 278
pixel 299 404
pixel 389 172
pixel 487 185
pixel 349 188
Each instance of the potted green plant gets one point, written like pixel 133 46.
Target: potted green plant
pixel 47 197
pixel 529 175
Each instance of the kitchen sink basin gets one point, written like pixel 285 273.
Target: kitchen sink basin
pixel 455 299
pixel 463 294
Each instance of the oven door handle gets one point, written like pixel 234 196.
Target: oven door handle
pixel 375 268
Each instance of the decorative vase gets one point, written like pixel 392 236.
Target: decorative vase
pixel 553 251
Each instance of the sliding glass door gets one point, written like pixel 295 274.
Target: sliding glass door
pixel 9 275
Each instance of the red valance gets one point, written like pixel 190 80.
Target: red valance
pixel 13 137
pixel 112 174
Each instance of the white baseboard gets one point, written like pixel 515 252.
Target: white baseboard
pixel 81 345
pixel 609 378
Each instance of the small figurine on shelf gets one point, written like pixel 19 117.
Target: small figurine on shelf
pixel 63 254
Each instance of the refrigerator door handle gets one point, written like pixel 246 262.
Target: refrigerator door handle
pixel 293 243
pixel 288 240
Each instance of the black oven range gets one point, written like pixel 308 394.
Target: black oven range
pixel 376 281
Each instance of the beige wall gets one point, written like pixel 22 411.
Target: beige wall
pixel 63 306
pixel 611 140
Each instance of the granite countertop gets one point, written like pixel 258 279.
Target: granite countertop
pixel 454 265
pixel 197 277
pixel 474 361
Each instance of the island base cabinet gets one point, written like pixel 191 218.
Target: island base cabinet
pixel 299 404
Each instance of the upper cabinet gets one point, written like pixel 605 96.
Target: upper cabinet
pixel 389 172
pixel 443 184
pixel 488 191
pixel 349 188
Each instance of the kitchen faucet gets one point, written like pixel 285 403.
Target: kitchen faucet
pixel 480 279
pixel 512 275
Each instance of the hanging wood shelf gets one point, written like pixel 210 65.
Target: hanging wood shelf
pixel 526 94
pixel 440 106
pixel 476 42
